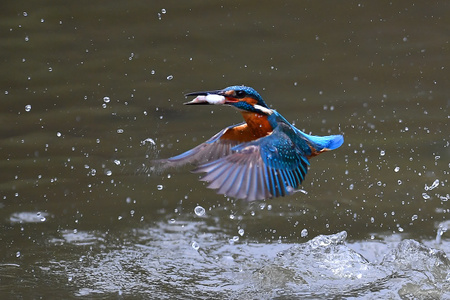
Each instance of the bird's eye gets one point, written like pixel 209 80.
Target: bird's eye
pixel 240 94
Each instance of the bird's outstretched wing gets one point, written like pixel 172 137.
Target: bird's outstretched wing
pixel 213 149
pixel 271 166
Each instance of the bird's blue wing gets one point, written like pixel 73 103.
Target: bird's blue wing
pixel 212 149
pixel 271 166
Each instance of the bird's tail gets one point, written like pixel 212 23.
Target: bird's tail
pixel 323 143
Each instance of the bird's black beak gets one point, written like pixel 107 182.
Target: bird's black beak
pixel 206 98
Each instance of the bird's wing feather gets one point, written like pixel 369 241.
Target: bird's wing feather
pixel 271 166
pixel 212 149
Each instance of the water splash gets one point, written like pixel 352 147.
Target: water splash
pixel 199 211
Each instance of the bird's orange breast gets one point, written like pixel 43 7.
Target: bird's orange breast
pixel 257 126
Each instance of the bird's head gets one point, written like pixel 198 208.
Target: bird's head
pixel 241 97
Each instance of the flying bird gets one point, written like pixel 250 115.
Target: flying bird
pixel 263 157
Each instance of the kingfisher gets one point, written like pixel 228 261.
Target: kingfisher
pixel 263 157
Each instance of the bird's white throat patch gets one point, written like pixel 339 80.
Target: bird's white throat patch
pixel 265 110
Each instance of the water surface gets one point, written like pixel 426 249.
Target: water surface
pixel 90 93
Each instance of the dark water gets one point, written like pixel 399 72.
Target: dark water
pixel 91 92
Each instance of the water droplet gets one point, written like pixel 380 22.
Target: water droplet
pixel 117 162
pixel 163 11
pixel 414 217
pixel 195 245
pixel 241 232
pixel 159 187
pixel 27 108
pixel 27 38
pixel 106 99
pixel 170 77
pixel 25 14
pixel 433 185
pixel 396 169
pixel 148 140
pixel 18 254
pixel 425 196
pixel 382 153
pixel 108 172
pixel 304 233
pixel 119 218
pixel 199 211
pixel 58 134
pixel 119 130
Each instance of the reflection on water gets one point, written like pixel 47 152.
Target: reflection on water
pixel 91 93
